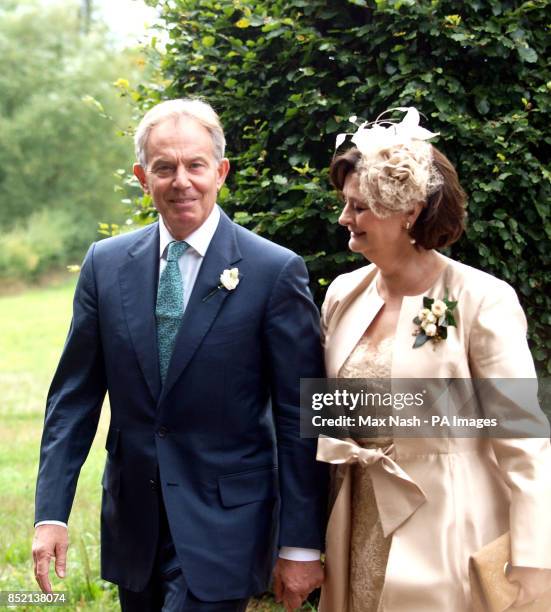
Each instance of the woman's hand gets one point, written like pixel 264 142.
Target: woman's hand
pixel 533 583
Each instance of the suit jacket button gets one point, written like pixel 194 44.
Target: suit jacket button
pixel 153 484
pixel 162 431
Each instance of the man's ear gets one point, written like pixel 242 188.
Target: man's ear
pixel 222 172
pixel 139 173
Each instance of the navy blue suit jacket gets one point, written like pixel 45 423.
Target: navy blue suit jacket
pixel 222 432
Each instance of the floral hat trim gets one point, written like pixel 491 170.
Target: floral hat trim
pixel 396 166
pixel 383 133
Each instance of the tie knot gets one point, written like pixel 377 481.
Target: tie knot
pixel 176 250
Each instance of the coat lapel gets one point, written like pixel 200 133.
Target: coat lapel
pixel 138 278
pixel 408 362
pixel 353 316
pixel 201 311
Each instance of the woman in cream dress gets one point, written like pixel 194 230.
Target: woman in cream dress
pixel 408 512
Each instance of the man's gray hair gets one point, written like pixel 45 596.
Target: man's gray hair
pixel 194 108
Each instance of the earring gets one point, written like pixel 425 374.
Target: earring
pixel 408 226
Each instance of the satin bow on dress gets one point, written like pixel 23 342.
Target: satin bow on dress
pixel 397 495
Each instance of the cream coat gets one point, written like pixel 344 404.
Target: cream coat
pixel 472 490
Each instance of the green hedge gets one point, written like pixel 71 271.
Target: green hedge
pixel 45 241
pixel 286 74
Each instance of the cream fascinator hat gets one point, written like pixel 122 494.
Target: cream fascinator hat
pixel 396 167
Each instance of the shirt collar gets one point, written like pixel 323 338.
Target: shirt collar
pixel 198 240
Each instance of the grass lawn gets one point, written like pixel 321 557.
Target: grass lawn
pixel 35 324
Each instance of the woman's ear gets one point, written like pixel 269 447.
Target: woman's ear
pixel 411 215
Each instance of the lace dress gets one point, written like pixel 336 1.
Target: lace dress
pixel 368 547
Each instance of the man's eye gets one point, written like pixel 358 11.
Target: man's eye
pixel 163 169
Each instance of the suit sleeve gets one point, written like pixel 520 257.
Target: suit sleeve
pixel 499 355
pixel 74 404
pixel 292 338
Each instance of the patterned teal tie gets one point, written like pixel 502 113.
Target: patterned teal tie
pixel 170 305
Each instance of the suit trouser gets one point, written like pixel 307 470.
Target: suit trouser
pixel 167 590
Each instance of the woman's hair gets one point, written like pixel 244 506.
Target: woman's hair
pixel 395 177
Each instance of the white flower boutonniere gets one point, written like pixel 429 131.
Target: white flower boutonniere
pixel 433 320
pixel 229 279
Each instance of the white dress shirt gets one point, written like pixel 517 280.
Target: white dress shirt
pixel 190 264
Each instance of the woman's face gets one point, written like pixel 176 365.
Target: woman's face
pixel 370 235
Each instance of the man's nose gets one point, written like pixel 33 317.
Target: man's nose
pixel 181 178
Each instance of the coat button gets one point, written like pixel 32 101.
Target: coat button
pixel 153 484
pixel 162 431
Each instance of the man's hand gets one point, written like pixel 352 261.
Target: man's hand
pixel 533 583
pixel 295 580
pixel 49 541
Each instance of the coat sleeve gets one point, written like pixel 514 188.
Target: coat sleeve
pixel 292 338
pixel 498 350
pixel 74 404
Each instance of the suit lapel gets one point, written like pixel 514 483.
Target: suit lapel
pixel 138 278
pixel 201 311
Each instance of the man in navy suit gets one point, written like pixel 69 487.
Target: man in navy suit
pixel 207 480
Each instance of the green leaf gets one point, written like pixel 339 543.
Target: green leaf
pixel 482 106
pixel 242 217
pixel 224 193
pixel 427 302
pixel 208 41
pixel 420 339
pixel 527 54
pixel 91 101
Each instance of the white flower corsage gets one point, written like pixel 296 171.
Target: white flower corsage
pixel 433 320
pixel 229 279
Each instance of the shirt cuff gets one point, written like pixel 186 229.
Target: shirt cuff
pixel 293 553
pixel 60 523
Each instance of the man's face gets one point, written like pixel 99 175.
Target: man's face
pixel 182 174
